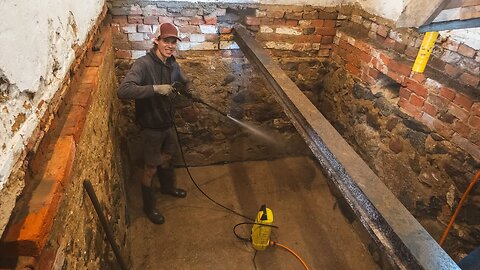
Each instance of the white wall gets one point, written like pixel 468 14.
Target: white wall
pixel 35 39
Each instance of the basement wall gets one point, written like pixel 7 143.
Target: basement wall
pixel 40 45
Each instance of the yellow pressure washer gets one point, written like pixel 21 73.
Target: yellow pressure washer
pixel 262 228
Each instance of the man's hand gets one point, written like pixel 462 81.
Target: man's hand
pixel 163 89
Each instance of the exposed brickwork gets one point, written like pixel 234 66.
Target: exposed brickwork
pixel 420 93
pixel 286 28
pixel 52 166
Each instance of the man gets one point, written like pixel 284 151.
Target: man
pixel 149 82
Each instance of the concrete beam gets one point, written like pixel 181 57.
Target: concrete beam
pixel 388 222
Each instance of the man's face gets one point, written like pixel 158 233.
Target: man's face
pixel 166 47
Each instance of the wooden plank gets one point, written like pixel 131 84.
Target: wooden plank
pixel 448 15
pixel 418 13
pixel 470 12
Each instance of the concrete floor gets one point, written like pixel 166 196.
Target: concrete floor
pixel 198 234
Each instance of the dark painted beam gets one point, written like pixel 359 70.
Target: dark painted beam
pixel 387 221
pixel 457 24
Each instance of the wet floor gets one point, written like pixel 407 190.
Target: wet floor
pixel 198 234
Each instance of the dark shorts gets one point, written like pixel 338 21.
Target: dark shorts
pixel 156 143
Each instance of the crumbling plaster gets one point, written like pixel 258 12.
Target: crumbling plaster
pixel 36 41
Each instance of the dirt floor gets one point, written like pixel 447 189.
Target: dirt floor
pixel 198 234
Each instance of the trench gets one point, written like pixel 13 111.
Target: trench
pixel 323 198
pixel 241 170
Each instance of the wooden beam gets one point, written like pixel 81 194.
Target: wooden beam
pixel 418 13
pixel 470 12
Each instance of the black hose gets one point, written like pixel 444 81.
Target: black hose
pixel 91 194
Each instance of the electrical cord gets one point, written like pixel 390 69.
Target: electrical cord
pixel 249 223
pixel 272 243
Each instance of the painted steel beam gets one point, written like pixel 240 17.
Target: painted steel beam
pixel 457 24
pixel 388 222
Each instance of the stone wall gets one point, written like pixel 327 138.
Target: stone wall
pixel 228 82
pixel 418 132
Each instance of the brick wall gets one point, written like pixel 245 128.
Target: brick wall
pixel 208 26
pixel 445 98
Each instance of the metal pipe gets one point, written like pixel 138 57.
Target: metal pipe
pixel 108 231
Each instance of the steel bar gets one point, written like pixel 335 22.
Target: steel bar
pixel 388 222
pixel 103 220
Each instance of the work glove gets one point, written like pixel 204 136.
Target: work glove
pixel 163 89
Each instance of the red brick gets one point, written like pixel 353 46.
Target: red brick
pixel 416 87
pixel 164 19
pixel 458 112
pixel 442 129
pixel 252 20
pixel 329 23
pixel 209 20
pixel 135 19
pixel 352 69
pixel 419 77
pixel 396 77
pixel 452 71
pixel 447 93
pixel 152 20
pixel 389 43
pixel 429 109
pixel 75 122
pixel 123 54
pixel 327 40
pixel 416 100
pixel 410 109
pixel 197 20
pixel 385 59
pixel 368 79
pixel 28 236
pixel 463 101
pixel 474 122
pixel 363 46
pixel 382 30
pixel 373 73
pixel 399 47
pixel 317 23
pixel 81 99
pixel 466 51
pixel 364 57
pixel 470 79
pixel 405 93
pixel 461 128
pixel 325 31
pixel 399 67
pixel 225 29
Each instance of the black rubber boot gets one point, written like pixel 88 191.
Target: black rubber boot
pixel 168 183
pixel 149 206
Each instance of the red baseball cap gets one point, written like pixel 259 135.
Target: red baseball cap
pixel 166 30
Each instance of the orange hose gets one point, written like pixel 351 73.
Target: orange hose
pixel 291 251
pixel 449 226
